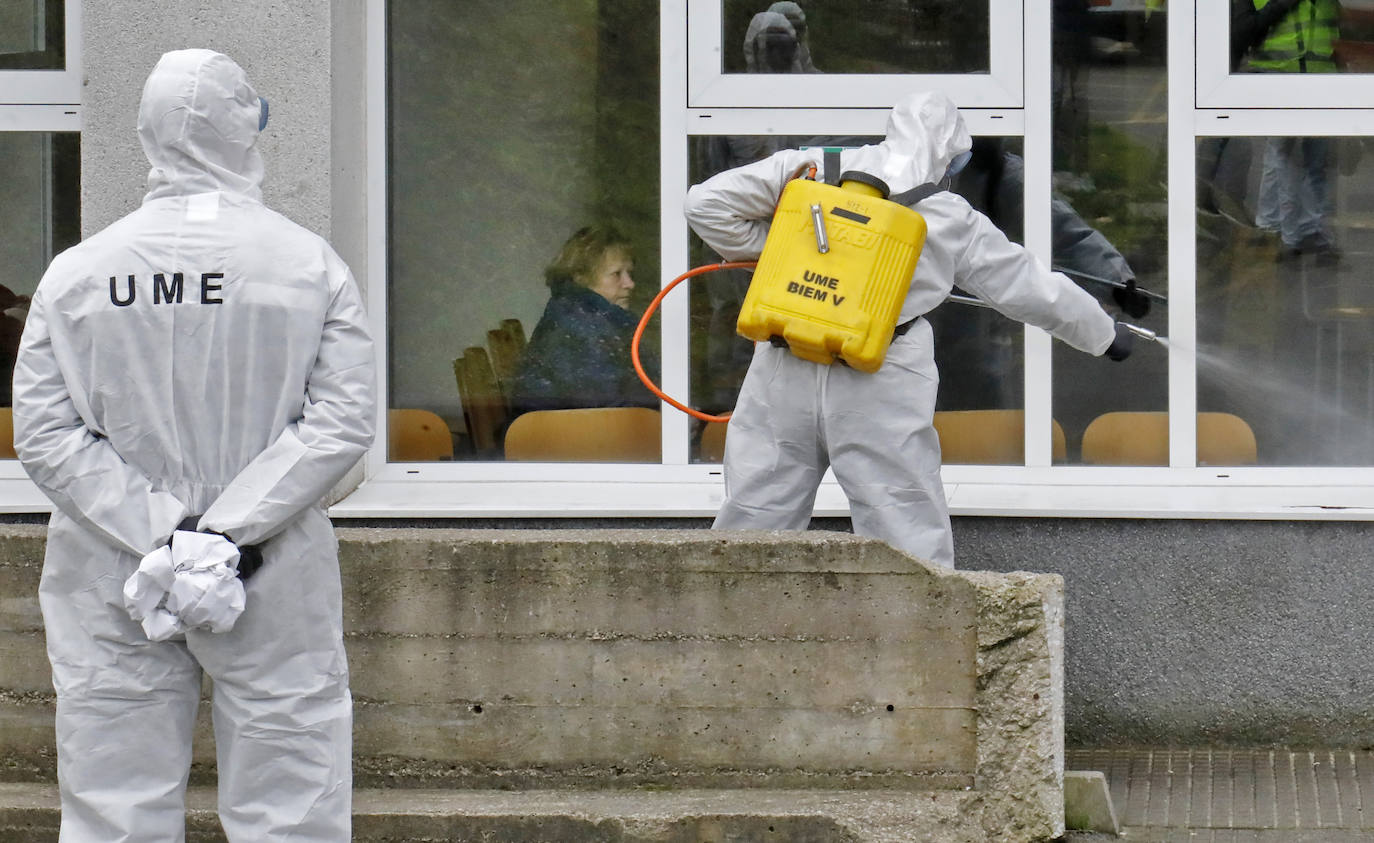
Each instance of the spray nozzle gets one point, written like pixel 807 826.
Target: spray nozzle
pixel 1144 333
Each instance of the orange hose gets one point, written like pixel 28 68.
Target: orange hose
pixel 649 312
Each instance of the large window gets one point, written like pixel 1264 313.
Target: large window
pixel 1197 195
pixel 1109 213
pixel 524 173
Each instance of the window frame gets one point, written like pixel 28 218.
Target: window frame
pixel 678 488
pixel 708 87
pixel 49 87
pixel 1218 87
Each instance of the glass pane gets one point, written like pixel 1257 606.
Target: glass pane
pixel 1109 218
pixel 1285 307
pixel 32 35
pixel 826 36
pixel 513 126
pixel 40 206
pixel 1310 36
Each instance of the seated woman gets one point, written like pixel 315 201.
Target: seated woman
pixel 579 353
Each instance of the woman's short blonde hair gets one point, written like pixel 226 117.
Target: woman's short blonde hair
pixel 580 256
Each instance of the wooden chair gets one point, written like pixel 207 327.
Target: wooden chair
pixel 485 378
pixel 505 345
pixel 485 409
pixel 598 434
pixel 417 436
pixel 977 437
pixel 991 437
pixel 1142 438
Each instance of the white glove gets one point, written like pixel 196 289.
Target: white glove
pixel 146 591
pixel 207 592
pixel 190 584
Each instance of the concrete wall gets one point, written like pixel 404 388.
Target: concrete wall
pixel 1181 632
pixel 604 660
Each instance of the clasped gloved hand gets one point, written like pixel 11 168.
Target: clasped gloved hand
pixel 190 583
pixel 1122 344
pixel 250 555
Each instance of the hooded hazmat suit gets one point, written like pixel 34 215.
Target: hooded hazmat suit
pixel 794 418
pixel 203 356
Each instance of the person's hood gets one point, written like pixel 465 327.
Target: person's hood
pixel 763 22
pixel 925 132
pixel 792 12
pixel 198 123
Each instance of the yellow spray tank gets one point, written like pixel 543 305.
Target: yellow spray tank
pixel 834 271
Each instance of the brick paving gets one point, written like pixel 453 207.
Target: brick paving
pixel 1213 795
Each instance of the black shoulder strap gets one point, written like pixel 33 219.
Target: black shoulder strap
pixel 831 163
pixel 916 194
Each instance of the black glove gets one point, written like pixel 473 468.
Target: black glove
pixel 250 555
pixel 1121 347
pixel 1133 302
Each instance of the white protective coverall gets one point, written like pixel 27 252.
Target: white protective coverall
pixel 795 418
pixel 201 356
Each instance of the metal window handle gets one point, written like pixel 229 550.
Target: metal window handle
pixel 822 243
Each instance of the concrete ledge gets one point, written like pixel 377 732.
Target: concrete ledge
pixel 29 812
pixel 663 664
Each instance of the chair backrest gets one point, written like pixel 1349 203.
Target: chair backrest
pixel 485 379
pixel 1142 438
pixel 712 448
pixel 505 345
pixel 991 437
pixel 485 409
pixel 597 434
pixel 417 436
pixel 977 437
pixel 7 434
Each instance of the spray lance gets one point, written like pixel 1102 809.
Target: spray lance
pixel 1143 333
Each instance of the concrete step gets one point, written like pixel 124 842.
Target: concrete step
pixel 29 813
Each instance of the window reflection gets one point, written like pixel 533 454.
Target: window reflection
pixel 1110 172
pixel 40 215
pixel 826 36
pixel 504 143
pixel 32 35
pixel 1307 36
pixel 1285 308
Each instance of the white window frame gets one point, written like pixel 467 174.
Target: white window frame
pixel 709 87
pixel 49 87
pixel 39 101
pixel 1217 87
pixel 677 488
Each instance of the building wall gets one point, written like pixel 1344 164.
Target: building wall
pixel 285 48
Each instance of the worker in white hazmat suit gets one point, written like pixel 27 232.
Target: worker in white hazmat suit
pixel 795 418
pixel 202 362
